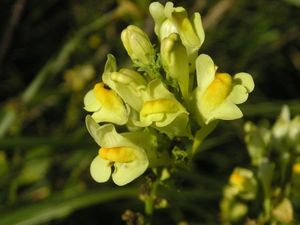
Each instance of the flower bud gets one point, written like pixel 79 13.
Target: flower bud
pixel 257 139
pixel 138 46
pixel 281 126
pixel 175 61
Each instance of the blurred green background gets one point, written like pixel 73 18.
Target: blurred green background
pixel 52 52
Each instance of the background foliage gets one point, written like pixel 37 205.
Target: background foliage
pixel 51 53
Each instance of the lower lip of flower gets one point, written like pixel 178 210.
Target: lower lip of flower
pixel 159 106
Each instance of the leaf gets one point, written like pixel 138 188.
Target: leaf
pixel 59 207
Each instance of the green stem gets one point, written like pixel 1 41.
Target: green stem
pixel 149 203
pixel 200 136
pixel 152 72
pixel 267 208
pixel 157 159
pixel 8 118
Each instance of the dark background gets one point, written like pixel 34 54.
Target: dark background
pixel 45 150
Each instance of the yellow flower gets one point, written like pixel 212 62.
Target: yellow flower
pixel 169 19
pixel 243 183
pixel 106 105
pixel 161 110
pixel 296 168
pixel 237 179
pixel 119 151
pixel 218 93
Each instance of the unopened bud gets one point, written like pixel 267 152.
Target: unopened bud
pixel 175 61
pixel 138 46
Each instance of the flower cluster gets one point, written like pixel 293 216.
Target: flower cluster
pixel 158 95
pixel 275 157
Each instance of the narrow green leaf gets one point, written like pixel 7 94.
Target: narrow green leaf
pixel 60 207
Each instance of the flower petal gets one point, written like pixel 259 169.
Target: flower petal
pixel 127 172
pixel 100 169
pixel 106 135
pixel 156 10
pixel 206 69
pixel 112 106
pixel 175 61
pixel 149 119
pixel 129 84
pixel 294 130
pixel 244 79
pixel 177 125
pixel 238 94
pixel 93 128
pixel 282 124
pixel 197 23
pixel 167 28
pixel 157 90
pixel 119 117
pixel 225 111
pixel 91 104
pixel 111 64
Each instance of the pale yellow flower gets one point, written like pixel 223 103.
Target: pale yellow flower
pixel 118 151
pixel 217 94
pixel 161 110
pixel 169 19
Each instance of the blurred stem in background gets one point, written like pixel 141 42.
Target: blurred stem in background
pixel 57 64
pixel 16 14
pixel 61 206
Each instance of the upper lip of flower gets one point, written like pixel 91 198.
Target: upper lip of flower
pixel 217 91
pixel 107 98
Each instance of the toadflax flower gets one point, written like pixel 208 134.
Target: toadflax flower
pixel 162 110
pixel 243 182
pixel 117 150
pixel 217 94
pixel 170 19
pixel 105 104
